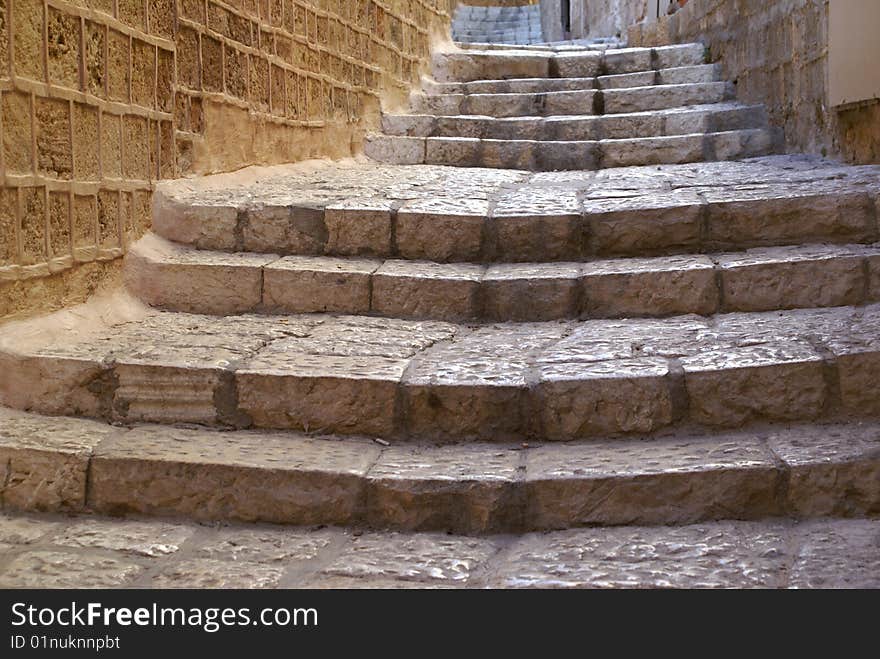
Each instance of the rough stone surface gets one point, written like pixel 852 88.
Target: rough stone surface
pixel 826 553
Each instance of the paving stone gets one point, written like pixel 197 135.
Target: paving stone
pixel 423 558
pixel 264 545
pixel 55 569
pixel 20 530
pixel 150 539
pixel 837 554
pixel 665 480
pixel 310 284
pixel 208 574
pixel 721 555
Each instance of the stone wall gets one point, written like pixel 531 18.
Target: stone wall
pixel 592 18
pixel 100 98
pixel 777 52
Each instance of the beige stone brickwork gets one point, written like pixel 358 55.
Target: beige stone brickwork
pixel 777 52
pixel 100 98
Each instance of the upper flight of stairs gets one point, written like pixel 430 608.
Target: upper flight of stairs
pixel 507 25
pixel 477 349
pixel 573 109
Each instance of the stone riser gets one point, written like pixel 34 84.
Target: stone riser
pixel 560 155
pixel 699 119
pixel 578 102
pixel 407 380
pixel 802 472
pixel 181 279
pixel 677 223
pixel 684 75
pixel 469 65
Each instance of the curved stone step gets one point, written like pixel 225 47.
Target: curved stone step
pixel 569 155
pixel 449 214
pixel 73 465
pixel 687 74
pixel 411 380
pixel 468 65
pixel 578 102
pixel 184 279
pixel 717 117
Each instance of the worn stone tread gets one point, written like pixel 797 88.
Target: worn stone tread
pixel 442 213
pixel 653 123
pixel 288 478
pixel 428 379
pixel 178 278
pixel 573 101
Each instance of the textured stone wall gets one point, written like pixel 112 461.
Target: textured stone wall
pixel 777 52
pixel 592 18
pixel 100 98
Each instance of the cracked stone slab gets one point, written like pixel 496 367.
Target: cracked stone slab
pixel 717 555
pixel 21 530
pixel 150 539
pixel 57 569
pixel 428 558
pixel 837 554
pixel 206 573
pixel 265 545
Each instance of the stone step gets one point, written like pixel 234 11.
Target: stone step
pixel 469 65
pixel 578 102
pixel 716 117
pixel 74 465
pixel 572 155
pixel 449 214
pixel 686 74
pixel 569 46
pixel 178 278
pixel 417 380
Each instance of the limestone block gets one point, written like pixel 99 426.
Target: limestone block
pixel 395 150
pixel 665 480
pixel 788 277
pixel 423 289
pixel 650 287
pixel 315 284
pixel 441 229
pixel 619 396
pixel 729 387
pixel 530 292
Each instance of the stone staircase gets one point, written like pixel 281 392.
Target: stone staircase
pixel 504 25
pixel 473 349
pixel 574 108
